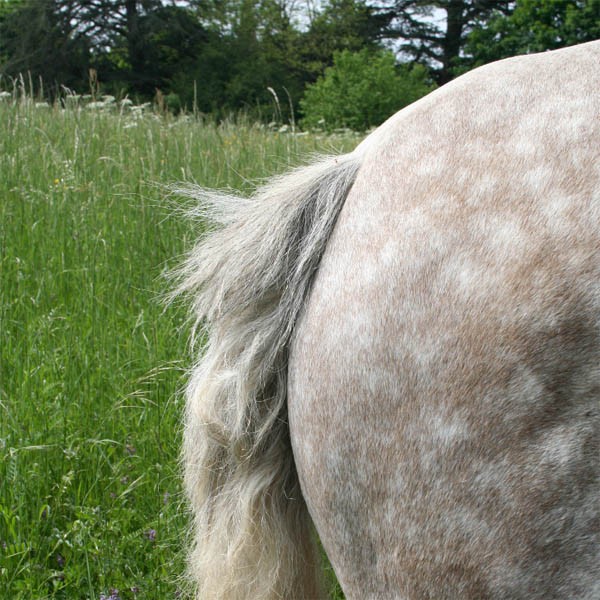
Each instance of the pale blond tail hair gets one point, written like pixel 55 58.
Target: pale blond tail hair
pixel 247 279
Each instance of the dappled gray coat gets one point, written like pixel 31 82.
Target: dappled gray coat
pixel 404 349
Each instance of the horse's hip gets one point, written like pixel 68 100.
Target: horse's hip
pixel 444 410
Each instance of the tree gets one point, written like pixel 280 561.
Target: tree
pixel 361 90
pixel 434 33
pixel 136 46
pixel 40 40
pixel 168 40
pixel 257 45
pixel 534 26
pixel 116 26
pixel 8 6
pixel 341 25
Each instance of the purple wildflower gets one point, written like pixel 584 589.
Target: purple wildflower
pixel 151 534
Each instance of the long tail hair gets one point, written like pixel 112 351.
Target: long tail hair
pixel 248 279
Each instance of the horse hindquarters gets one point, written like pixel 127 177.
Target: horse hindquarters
pixel 444 378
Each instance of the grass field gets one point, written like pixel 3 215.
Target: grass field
pixel 91 363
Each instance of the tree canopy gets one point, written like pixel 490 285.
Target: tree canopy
pixel 435 33
pixel 361 90
pixel 218 56
pixel 534 26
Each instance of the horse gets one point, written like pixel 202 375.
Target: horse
pixel 401 355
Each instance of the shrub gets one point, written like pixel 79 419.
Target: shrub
pixel 361 90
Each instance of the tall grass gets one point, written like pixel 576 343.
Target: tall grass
pixel 90 362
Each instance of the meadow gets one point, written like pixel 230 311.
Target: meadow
pixel 92 363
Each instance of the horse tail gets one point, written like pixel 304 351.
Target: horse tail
pixel 248 279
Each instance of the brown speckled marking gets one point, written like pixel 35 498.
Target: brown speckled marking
pixel 445 375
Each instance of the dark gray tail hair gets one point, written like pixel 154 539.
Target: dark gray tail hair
pixel 248 279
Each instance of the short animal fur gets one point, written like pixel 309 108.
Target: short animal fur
pixel 404 349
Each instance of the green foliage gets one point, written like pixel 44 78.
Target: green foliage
pixel 433 33
pixel 166 41
pixel 235 67
pixel 361 90
pixel 342 25
pixel 171 39
pixel 8 6
pixel 259 47
pixel 37 40
pixel 218 56
pixel 262 49
pixel 90 361
pixel 223 56
pixel 535 26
